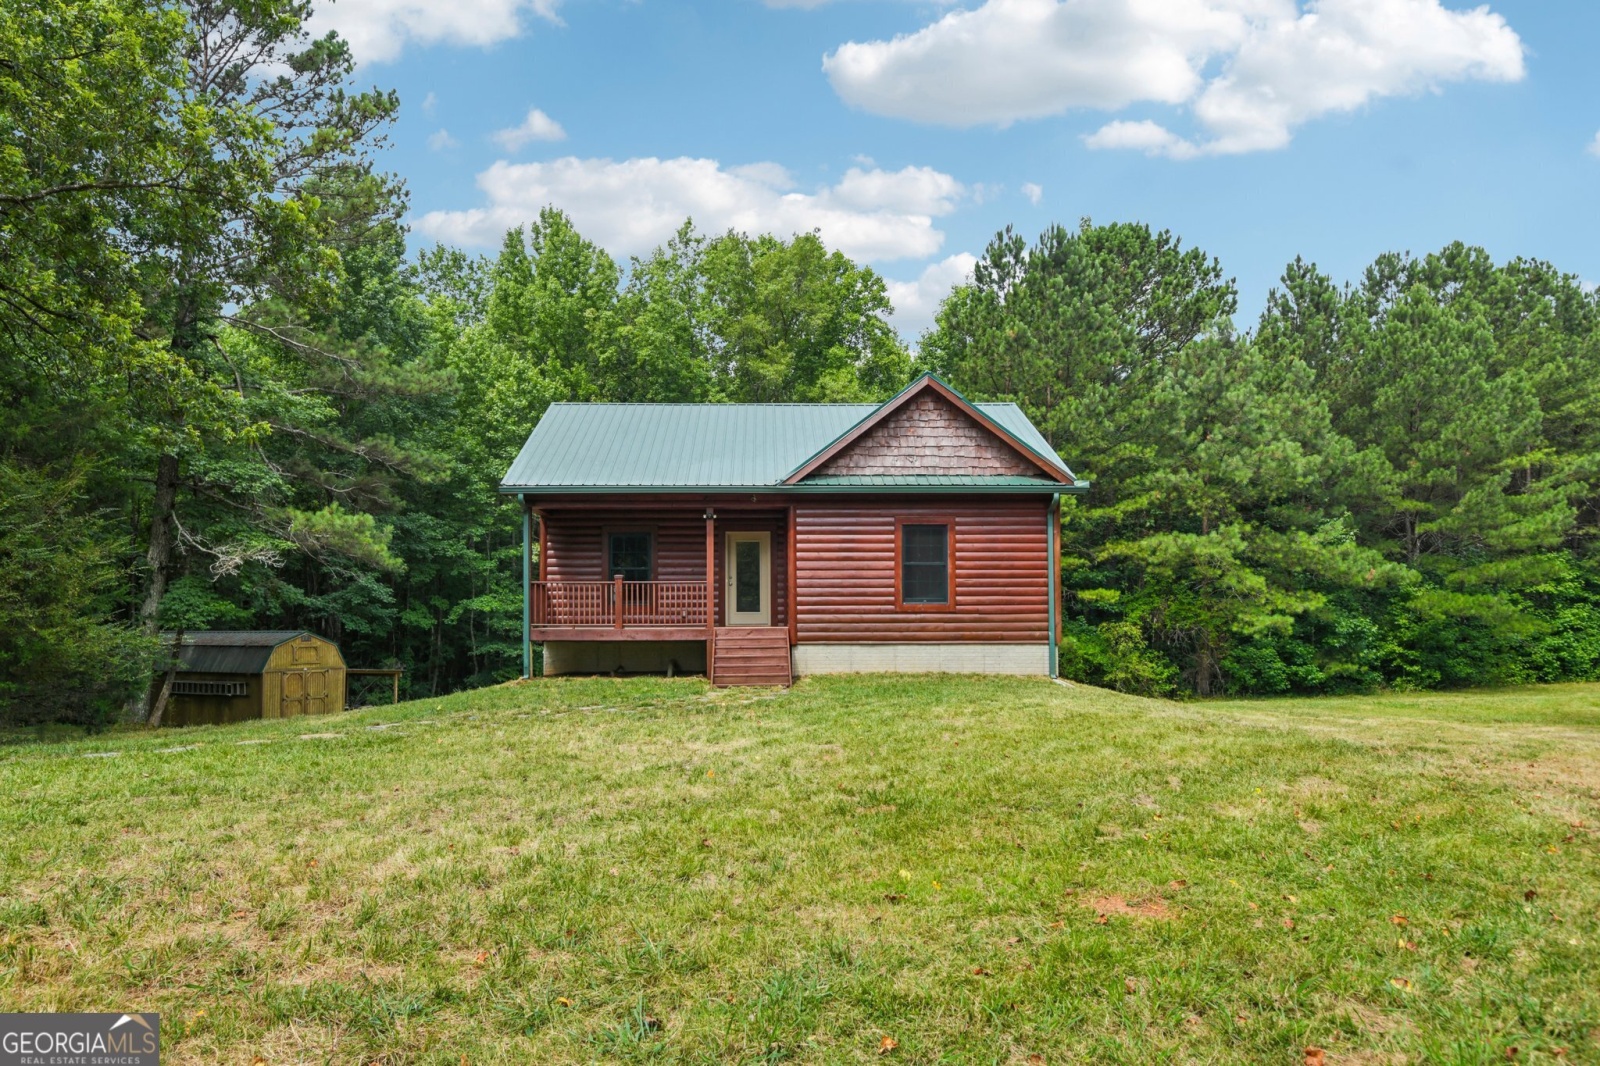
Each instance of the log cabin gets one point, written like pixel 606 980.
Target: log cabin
pixel 757 542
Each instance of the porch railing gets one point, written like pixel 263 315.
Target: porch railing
pixel 617 603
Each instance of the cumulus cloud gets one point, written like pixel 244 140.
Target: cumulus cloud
pixel 633 205
pixel 1015 59
pixel 440 141
pixel 538 126
pixel 915 302
pixel 378 30
pixel 1146 136
pixel 1248 71
pixel 1033 192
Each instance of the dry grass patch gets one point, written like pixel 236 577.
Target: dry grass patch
pixel 1150 907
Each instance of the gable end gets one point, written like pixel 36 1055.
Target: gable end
pixel 928 435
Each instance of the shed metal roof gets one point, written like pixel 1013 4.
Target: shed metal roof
pixel 243 651
pixel 741 447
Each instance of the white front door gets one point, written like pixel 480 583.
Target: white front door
pixel 747 597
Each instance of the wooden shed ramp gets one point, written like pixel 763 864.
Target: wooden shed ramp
pixel 751 655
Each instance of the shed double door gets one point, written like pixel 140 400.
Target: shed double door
pixel 305 692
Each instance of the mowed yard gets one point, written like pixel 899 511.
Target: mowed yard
pixel 865 869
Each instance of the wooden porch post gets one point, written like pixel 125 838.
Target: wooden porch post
pixel 711 594
pixel 794 618
pixel 527 595
pixel 542 553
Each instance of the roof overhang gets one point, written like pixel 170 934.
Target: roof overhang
pixel 1012 488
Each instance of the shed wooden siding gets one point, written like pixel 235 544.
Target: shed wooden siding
pixel 929 436
pixel 304 657
pixel 845 560
pixel 212 710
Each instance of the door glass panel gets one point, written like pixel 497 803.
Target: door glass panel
pixel 747 576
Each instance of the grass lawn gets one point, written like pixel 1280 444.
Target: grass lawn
pixel 866 869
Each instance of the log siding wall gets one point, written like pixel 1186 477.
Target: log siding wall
pixel 575 543
pixel 575 546
pixel 845 572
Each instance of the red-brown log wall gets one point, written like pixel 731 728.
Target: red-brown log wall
pixel 845 561
pixel 575 545
pixel 575 541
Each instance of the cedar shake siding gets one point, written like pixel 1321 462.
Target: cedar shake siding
pixel 929 436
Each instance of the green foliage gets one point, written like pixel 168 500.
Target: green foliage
pixel 1386 484
pixel 231 398
pixel 59 662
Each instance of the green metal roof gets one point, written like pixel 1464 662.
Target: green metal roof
pixel 704 447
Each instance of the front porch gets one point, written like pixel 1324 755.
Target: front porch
pixel 663 590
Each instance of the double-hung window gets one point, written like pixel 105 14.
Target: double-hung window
pixel 925 572
pixel 628 554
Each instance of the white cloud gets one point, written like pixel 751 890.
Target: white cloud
pixel 915 302
pixel 631 206
pixel 914 190
pixel 1033 192
pixel 1146 136
pixel 440 141
pixel 1015 59
pixel 429 102
pixel 1249 71
pixel 1594 145
pixel 538 126
pixel 1341 54
pixel 378 30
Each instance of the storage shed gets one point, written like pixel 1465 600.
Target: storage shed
pixel 235 676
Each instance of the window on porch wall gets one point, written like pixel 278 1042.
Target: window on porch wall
pixel 629 554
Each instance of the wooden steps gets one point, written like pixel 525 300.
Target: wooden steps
pixel 751 655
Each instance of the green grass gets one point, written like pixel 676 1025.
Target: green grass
pixel 982 870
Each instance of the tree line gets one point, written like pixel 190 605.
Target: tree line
pixel 232 399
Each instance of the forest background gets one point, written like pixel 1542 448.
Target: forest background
pixel 232 399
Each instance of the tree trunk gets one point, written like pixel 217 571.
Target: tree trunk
pixel 1204 666
pixel 159 559
pixel 166 685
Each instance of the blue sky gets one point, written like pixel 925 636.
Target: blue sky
pixel 909 133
